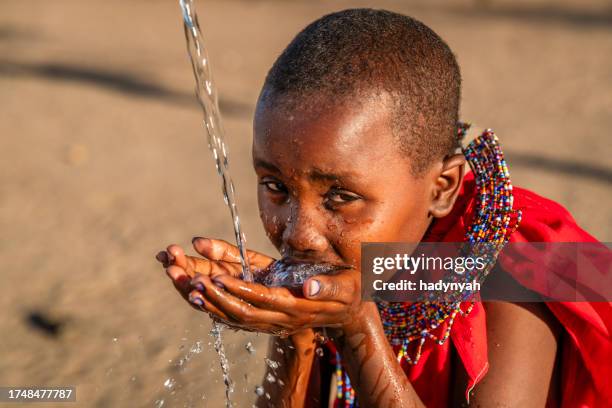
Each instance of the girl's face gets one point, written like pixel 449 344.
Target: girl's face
pixel 334 177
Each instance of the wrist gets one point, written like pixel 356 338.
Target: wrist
pixel 302 343
pixel 363 319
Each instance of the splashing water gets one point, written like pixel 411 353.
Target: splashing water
pixel 207 96
pixel 229 384
pixel 292 275
pixel 196 348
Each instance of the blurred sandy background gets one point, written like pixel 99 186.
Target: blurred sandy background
pixel 104 163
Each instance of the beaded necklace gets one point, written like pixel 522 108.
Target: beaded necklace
pixel 409 325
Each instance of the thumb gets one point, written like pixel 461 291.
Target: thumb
pixel 340 288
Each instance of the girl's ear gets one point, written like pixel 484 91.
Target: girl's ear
pixel 447 185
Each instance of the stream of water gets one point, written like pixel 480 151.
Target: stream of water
pixel 207 96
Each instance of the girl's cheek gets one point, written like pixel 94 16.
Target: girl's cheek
pixel 272 225
pixel 364 226
pixel 270 216
pixel 348 234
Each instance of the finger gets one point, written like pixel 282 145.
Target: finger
pixel 220 250
pixel 216 249
pixel 258 260
pixel 342 287
pixel 302 312
pixel 198 265
pixel 181 281
pixel 239 311
pixel 206 267
pixel 179 256
pixel 278 298
pixel 197 299
pixel 225 268
pixel 256 294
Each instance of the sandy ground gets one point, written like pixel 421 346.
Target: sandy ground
pixel 104 163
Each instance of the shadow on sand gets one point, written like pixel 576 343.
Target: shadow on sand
pixel 118 82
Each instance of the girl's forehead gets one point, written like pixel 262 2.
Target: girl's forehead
pixel 343 131
pixel 330 148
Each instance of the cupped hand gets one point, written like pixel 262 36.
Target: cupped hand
pixel 329 301
pixel 220 258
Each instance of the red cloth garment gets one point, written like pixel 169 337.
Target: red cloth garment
pixel 586 360
pixel 586 353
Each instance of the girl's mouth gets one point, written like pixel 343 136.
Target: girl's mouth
pixel 292 272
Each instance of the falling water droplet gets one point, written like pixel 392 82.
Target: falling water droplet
pixel 271 363
pixel 270 378
pixel 196 348
pixel 250 348
pixel 169 383
pixel 159 403
pixel 259 390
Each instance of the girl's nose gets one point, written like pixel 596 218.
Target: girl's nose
pixel 303 234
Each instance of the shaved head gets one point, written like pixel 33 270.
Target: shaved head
pixel 353 54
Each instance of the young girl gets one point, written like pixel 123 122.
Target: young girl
pixel 355 140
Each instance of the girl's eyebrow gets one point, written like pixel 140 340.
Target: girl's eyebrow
pixel 320 175
pixel 266 165
pixel 315 174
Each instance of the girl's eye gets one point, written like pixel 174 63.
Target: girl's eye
pixel 337 196
pixel 274 186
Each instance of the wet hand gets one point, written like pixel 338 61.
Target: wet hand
pixel 329 301
pixel 220 258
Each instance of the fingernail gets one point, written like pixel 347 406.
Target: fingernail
pixel 198 238
pixel 219 283
pixel 197 301
pixel 314 287
pixel 199 287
